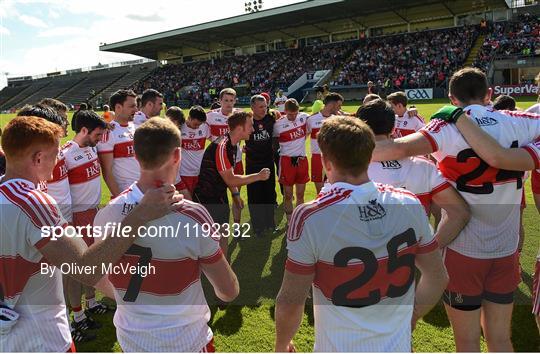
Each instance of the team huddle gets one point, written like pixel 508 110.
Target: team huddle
pixel 364 249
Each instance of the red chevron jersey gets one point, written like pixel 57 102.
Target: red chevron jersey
pixel 372 231
pixel 84 172
pixel 166 310
pixel 415 174
pixel 314 124
pixel 494 195
pixel 36 296
pixel 217 121
pixel 118 140
pixel 292 135
pixel 407 124
pixel 193 144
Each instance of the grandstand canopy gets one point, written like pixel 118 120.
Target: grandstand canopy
pixel 295 21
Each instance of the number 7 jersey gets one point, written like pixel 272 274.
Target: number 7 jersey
pixel 494 195
pixel 164 310
pixel 361 243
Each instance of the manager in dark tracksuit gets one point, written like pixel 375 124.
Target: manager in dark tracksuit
pixel 259 155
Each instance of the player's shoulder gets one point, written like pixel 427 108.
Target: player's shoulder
pixel 40 208
pixel 391 195
pixel 195 211
pixel 310 211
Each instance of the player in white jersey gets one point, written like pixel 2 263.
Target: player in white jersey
pixel 151 104
pixel 33 297
pixel 165 310
pixel 217 121
pixel 118 164
pixel 291 133
pixel 332 105
pixel 416 174
pixel 83 173
pixel 358 244
pixel 279 102
pixel 406 122
pixel 525 158
pixel 195 132
pixel 58 186
pixel 482 261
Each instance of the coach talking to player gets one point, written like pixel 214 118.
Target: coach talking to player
pixel 217 171
pixel 259 155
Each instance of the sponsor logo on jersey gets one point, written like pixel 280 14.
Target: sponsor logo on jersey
pixel 390 165
pixel 486 121
pixel 127 208
pixel 262 135
pixel 93 170
pixel 371 211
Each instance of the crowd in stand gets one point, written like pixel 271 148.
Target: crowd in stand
pixel 262 72
pixel 421 59
pixel 395 62
pixel 521 38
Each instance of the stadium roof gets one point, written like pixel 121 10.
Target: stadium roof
pixel 267 25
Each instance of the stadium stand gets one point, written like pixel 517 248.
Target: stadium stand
pixel 511 38
pixel 32 87
pixel 54 88
pixel 73 88
pixel 264 72
pixel 411 60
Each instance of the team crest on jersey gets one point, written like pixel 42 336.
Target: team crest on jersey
pixel 200 132
pixel 405 123
pixel 301 119
pixel 486 121
pixel 372 211
pixel 261 126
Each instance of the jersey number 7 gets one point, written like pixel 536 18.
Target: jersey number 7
pixel 135 283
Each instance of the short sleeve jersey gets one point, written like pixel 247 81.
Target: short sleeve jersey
pixel 494 195
pixel 364 230
pixel 167 311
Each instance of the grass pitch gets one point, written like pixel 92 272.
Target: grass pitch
pixel 259 264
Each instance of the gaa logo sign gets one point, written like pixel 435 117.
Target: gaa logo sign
pixel 419 94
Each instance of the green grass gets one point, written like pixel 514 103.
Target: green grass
pixel 259 264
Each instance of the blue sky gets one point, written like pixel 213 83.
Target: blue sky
pixel 38 36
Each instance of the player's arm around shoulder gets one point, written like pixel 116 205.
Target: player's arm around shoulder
pixel 492 152
pixel 156 203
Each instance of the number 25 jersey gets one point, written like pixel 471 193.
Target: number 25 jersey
pixel 361 243
pixel 494 195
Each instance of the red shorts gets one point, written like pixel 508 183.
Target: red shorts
pixel 290 175
pixel 209 348
pixel 83 218
pixel 317 174
pixel 190 182
pixel 72 348
pixel 473 280
pixel 536 289
pixel 239 168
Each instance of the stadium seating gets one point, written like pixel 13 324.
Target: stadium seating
pixel 410 60
pixel 508 39
pixel 425 60
pixel 74 88
pixel 263 72
pixel 55 88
